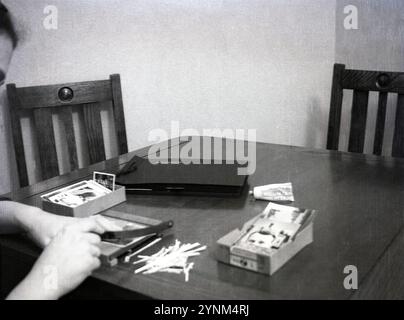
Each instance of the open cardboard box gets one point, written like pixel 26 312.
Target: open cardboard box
pixel 268 264
pixel 89 208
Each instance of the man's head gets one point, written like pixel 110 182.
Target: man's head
pixel 8 41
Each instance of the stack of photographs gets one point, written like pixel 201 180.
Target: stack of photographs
pixel 77 194
pixel 276 226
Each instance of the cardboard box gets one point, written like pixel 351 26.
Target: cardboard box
pixel 268 264
pixel 89 208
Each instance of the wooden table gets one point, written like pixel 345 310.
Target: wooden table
pixel 359 201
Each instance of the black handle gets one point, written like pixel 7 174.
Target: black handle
pixel 134 233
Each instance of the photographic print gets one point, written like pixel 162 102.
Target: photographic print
pixel 77 194
pixel 55 193
pixel 105 179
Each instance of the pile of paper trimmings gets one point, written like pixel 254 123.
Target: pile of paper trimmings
pixel 173 259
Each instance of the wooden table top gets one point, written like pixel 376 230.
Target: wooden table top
pixel 359 200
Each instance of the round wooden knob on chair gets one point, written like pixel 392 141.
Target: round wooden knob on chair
pixel 65 94
pixel 383 80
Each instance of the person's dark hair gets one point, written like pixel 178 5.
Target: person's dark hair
pixel 6 25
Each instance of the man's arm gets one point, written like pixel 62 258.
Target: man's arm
pixel 70 257
pixel 71 248
pixel 39 225
pixel 10 220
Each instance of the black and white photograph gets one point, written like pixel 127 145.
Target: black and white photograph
pixel 105 179
pixel 209 156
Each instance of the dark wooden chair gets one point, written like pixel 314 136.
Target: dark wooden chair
pixel 41 101
pixel 362 82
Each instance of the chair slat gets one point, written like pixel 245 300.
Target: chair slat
pixel 358 121
pixel 46 144
pixel 398 139
pixel 118 113
pixel 95 139
pixel 380 123
pixel 335 108
pixel 67 119
pixel 17 135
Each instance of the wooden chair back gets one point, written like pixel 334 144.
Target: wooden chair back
pixel 362 82
pixel 41 101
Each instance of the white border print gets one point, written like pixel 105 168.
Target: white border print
pixel 105 179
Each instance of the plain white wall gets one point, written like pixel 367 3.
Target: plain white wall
pixel 247 64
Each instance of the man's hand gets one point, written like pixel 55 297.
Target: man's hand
pixel 42 226
pixel 47 226
pixel 70 257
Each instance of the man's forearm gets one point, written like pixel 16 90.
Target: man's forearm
pixel 16 217
pixel 33 288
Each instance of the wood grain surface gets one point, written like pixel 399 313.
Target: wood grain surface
pixel 359 199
